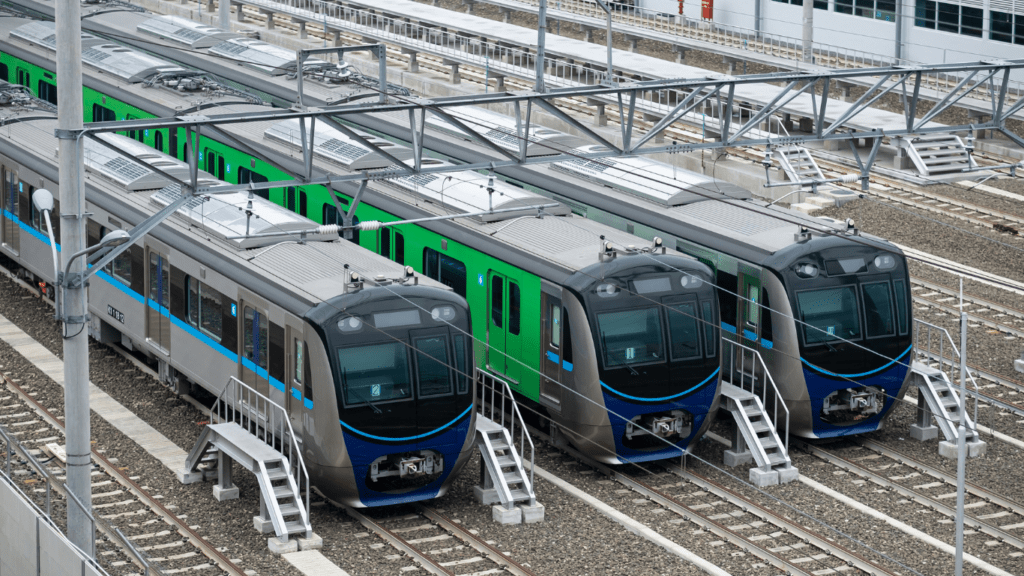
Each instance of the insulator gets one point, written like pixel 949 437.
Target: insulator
pixel 371 225
pixel 849 178
pixel 328 229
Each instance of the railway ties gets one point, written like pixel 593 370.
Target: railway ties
pixel 993 523
pixel 156 533
pixel 436 543
pixel 944 299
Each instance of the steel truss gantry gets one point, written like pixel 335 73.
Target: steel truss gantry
pixel 716 96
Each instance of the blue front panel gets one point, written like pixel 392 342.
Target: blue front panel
pixel 364 448
pixel 821 383
pixel 623 408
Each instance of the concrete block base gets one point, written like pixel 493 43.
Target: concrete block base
pixel 733 458
pixel 759 478
pixel 840 196
pixel 503 515
pixel 222 494
pixel 532 514
pixel 262 525
pixel 278 546
pixel 486 496
pixel 186 477
pixel 787 475
pixel 974 449
pixel 924 433
pixel 313 543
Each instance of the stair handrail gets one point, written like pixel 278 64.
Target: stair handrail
pixel 249 412
pixel 516 418
pixel 942 335
pixel 728 377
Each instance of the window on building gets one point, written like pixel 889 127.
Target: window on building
pixel 965 20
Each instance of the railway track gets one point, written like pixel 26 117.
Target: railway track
pixel 991 519
pixel 747 526
pixel 984 312
pixel 163 538
pixel 437 544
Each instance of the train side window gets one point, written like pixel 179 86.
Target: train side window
pixel 384 243
pixel 728 285
pixel 24 78
pixel 446 270
pixel 462 369
pixel 220 167
pixel 399 248
pixel 566 337
pixel 752 305
pixel 555 327
pixel 172 142
pixel 877 301
pixel 710 329
pixel 298 352
pixel 497 286
pixel 24 202
pixel 302 204
pixel 121 267
pixel 158 140
pixel 289 198
pixel 513 308
pixel 247 176
pixel 159 280
pixel 102 114
pixel 47 92
pixel 331 215
pixel 255 328
pixel 766 317
pixel 307 378
pixel 277 352
pixel 901 305
pixel 4 72
pixel 205 309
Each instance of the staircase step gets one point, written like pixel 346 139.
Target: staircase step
pixel 520 495
pixel 275 474
pixel 768 443
pixel 500 445
pixel 760 427
pixel 776 458
pixel 282 491
pixel 506 461
pixel 512 477
pixel 289 510
pixel 294 527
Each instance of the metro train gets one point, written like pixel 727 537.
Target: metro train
pixel 372 362
pixel 610 338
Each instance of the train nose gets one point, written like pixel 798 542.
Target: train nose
pixel 853 403
pixel 673 424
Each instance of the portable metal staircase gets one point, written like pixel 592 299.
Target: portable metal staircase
pixel 747 389
pixel 937 359
pixel 250 429
pixel 934 154
pixel 798 164
pixel 504 478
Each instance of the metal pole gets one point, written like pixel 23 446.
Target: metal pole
pixel 898 53
pixel 961 440
pixel 808 41
pixel 542 30
pixel 72 239
pixel 757 18
pixel 224 9
pixel 609 79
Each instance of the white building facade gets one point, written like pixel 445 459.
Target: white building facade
pixel 929 31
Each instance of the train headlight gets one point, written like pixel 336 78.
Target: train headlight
pixel 350 324
pixel 607 290
pixel 807 271
pixel 885 262
pixel 690 282
pixel 443 314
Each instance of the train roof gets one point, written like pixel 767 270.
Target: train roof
pixel 259 55
pixel 306 273
pixel 335 146
pixel 189 33
pixel 501 130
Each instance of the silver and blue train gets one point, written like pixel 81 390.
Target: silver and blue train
pixel 372 362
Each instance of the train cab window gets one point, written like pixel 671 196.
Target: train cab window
pixel 432 366
pixel 102 114
pixel 829 314
pixel 683 331
pixel 158 140
pixel 878 317
pixel 631 337
pixel 374 373
pixel 205 309
pixel 514 306
pixel 728 286
pixel 566 337
pixel 255 329
pixel 446 270
pixel 463 372
pixel 710 328
pixel 47 92
pixel 24 78
pixel 766 317
pixel 901 305
pixel 753 317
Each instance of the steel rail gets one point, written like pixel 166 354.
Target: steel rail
pixel 980 526
pixel 955 310
pixel 972 299
pixel 687 513
pixel 474 541
pixel 144 497
pixel 949 479
pixel 429 564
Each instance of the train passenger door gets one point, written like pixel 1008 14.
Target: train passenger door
pixel 551 349
pixel 750 309
pixel 9 203
pixel 158 303
pixel 255 348
pixel 295 379
pixel 504 326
